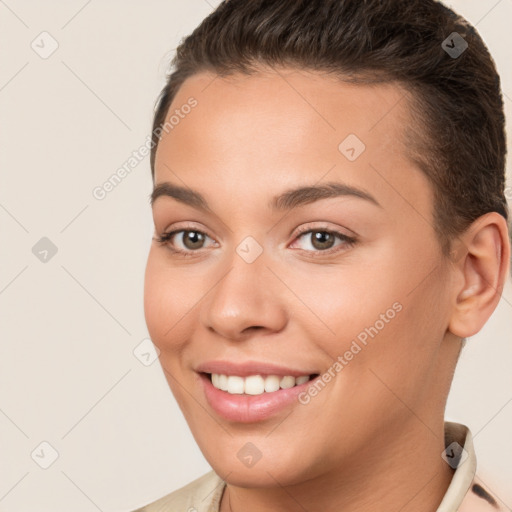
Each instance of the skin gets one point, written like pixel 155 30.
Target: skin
pixel 372 438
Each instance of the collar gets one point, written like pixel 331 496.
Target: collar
pixel 460 454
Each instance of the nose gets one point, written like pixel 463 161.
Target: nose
pixel 247 297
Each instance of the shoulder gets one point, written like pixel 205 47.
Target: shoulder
pixel 200 495
pixel 481 498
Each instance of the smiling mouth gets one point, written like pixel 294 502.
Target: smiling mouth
pixel 256 384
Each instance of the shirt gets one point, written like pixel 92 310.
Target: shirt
pixel 466 492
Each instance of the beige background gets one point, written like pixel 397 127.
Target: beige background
pixel 69 326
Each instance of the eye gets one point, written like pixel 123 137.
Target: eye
pixel 191 240
pixel 322 240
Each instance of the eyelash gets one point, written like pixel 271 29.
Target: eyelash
pixel 349 241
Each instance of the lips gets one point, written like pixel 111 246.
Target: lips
pixel 251 391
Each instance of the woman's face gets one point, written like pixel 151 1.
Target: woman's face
pixel 347 283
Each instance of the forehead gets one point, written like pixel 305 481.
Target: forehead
pixel 276 126
pixel 296 108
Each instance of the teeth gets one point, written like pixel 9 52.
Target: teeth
pixel 255 384
pixel 271 383
pixel 235 385
pixel 223 382
pixel 287 382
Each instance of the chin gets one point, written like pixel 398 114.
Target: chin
pixel 255 462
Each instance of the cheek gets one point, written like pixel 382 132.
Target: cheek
pixel 163 309
pixel 399 332
pixel 393 310
pixel 166 303
pixel 339 304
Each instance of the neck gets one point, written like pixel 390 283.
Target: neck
pixel 399 471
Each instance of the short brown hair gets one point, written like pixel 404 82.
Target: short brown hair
pixel 459 142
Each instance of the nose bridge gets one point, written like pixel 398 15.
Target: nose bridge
pixel 245 295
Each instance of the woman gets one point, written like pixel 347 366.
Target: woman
pixel 330 226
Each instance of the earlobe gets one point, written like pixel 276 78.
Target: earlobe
pixel 484 253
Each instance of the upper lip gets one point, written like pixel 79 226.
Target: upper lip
pixel 246 368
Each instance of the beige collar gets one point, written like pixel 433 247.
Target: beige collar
pixel 460 454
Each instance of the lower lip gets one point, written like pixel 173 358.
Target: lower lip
pixel 250 408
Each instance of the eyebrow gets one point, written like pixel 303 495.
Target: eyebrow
pixel 288 200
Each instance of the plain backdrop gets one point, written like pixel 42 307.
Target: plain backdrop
pixel 72 266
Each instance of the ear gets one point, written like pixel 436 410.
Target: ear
pixel 481 263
